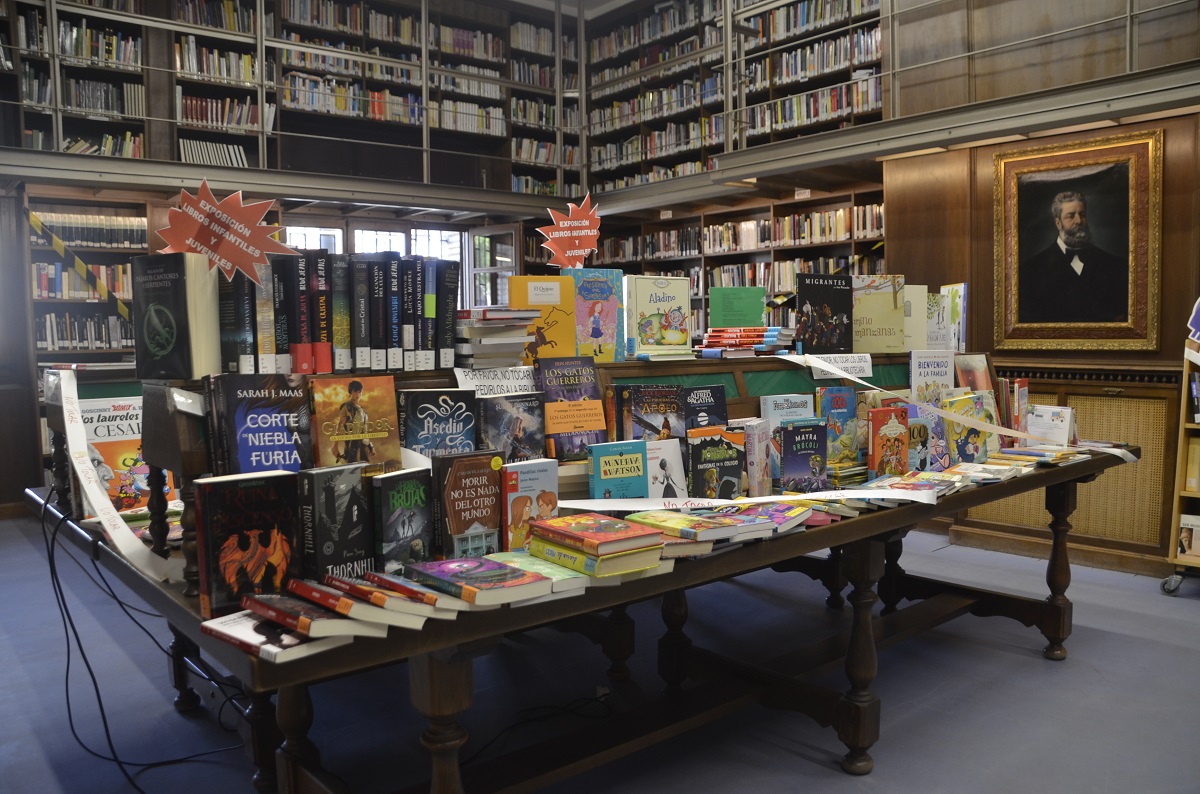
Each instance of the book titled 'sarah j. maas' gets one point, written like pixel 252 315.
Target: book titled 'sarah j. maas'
pixel 258 422
pixel 175 316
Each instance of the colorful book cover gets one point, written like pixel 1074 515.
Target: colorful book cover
pixel 939 445
pixel 704 406
pixel 264 320
pixel 837 406
pixel 596 533
pixel 916 321
pixel 336 522
pixel 888 452
pixel 354 421
pixel 737 307
pixel 659 313
pixel 878 314
pixel 805 446
pixel 758 454
pixel 824 313
pixel 617 470
pixel 307 618
pixel 918 443
pixel 564 579
pixel 716 461
pixel 967 444
pixel 666 478
pixel 466 504
pixel 528 490
pixel 554 297
pixel 1020 404
pixel 929 373
pixel 340 284
pixel 956 299
pixel 592 565
pixel 479 580
pixel 113 430
pixel 651 411
pixel 248 538
pixel 972 371
pixel 599 313
pixel 403 516
pixel 513 424
pixel 937 329
pixel 683 525
pixel 437 421
pixel 266 639
pixel 262 422
pixel 777 409
pixel 574 406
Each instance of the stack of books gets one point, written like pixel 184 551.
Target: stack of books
pixel 746 342
pixel 595 544
pixel 492 337
pixel 846 475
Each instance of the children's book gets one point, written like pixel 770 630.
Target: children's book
pixel 466 504
pixel 247 537
pixel 838 408
pixel 704 406
pixel 437 421
pixel 113 429
pixel 956 299
pixel 804 447
pixel 336 523
pixel 687 526
pixel 403 518
pixel 737 307
pixel 651 411
pixel 574 406
pixel 554 329
pixel 665 475
pixel 564 579
pixel 888 453
pixel 972 371
pixel 878 314
pixel 258 422
pixel 352 606
pixel 918 443
pixel 599 313
pixel 528 490
pixel 938 333
pixel 620 562
pixel 659 316
pixel 758 454
pixel 266 639
pixel 967 444
pixel 309 619
pixel 513 424
pixel 930 372
pixel 354 421
pixel 617 470
pixel 596 533
pixel 824 306
pixel 916 323
pixel 479 580
pixel 939 445
pixel 716 462
pixel 1053 422
pixel 777 409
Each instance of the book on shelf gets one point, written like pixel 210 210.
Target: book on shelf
pixel 351 606
pixel 403 518
pixel 309 619
pixel 479 580
pixel 599 313
pixel 265 357
pixel 737 307
pixel 704 406
pixel 437 421
pixel 956 306
pixel 399 597
pixel 247 537
pixel 528 490
pixel 280 315
pixel 967 444
pixel 804 449
pixel 777 409
pixel 1188 543
pixel 916 319
pixel 340 310
pixel 447 276
pixel 838 406
pixel 1055 423
pixel 674 547
pixel 336 524
pixel 596 533
pixel 824 306
pixel 563 579
pixel 320 307
pixel 650 410
pixel 466 504
pixel 683 525
pixel 513 424
pixel 621 562
pixel 360 311
pixel 291 270
pixel 930 373
pixel 499 313
pixel 658 317
pixel 716 462
pixel 574 406
pixel 354 421
pixel 972 371
pixel 554 327
pixel 258 422
pixel 266 639
pixel 938 333
pixel 888 449
pixel 175 309
pixel 666 477
pixel 878 314
pixel 758 454
pixel 397 583
pixel 617 470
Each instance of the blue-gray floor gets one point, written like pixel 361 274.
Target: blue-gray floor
pixel 970 706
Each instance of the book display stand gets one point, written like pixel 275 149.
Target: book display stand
pixel 1184 553
pixel 701 685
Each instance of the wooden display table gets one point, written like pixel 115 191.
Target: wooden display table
pixel 440 656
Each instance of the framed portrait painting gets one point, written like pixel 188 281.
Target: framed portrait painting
pixel 1077 244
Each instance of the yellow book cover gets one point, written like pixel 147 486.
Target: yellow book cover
pixel 878 314
pixel 554 296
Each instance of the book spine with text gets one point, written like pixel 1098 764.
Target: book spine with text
pixel 395 308
pixel 264 329
pixel 360 314
pixel 343 354
pixel 448 277
pixel 379 315
pixel 283 352
pixel 321 314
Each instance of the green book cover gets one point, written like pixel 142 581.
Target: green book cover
pixel 737 307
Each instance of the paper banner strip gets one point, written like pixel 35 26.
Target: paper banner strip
pixel 116 530
pixel 638 505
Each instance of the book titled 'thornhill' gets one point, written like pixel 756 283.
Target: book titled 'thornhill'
pixel 175 316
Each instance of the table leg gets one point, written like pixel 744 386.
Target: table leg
pixel 889 586
pixel 1056 615
pixel 833 579
pixel 187 522
pixel 156 481
pixel 265 738
pixel 618 643
pixel 857 715
pixel 186 698
pixel 294 715
pixel 673 646
pixel 440 685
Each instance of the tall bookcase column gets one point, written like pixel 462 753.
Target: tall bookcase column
pixel 10 84
pixel 37 80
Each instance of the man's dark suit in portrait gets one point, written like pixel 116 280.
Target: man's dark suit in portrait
pixel 1071 280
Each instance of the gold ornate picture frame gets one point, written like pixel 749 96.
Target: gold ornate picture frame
pixel 1077 239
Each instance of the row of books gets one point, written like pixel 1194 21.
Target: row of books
pixel 53 281
pixel 84 330
pixel 91 231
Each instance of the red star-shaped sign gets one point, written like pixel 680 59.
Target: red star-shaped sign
pixel 572 236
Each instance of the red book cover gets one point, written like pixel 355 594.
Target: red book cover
pixel 309 619
pixel 320 307
pixel 596 533
pixel 888 434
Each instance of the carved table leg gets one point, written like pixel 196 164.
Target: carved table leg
pixel 294 715
pixel 833 579
pixel 60 469
pixel 186 698
pixel 1056 618
pixel 889 585
pixel 187 522
pixel 857 715
pixel 440 686
pixel 618 643
pixel 265 737
pixel 156 481
pixel 673 646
